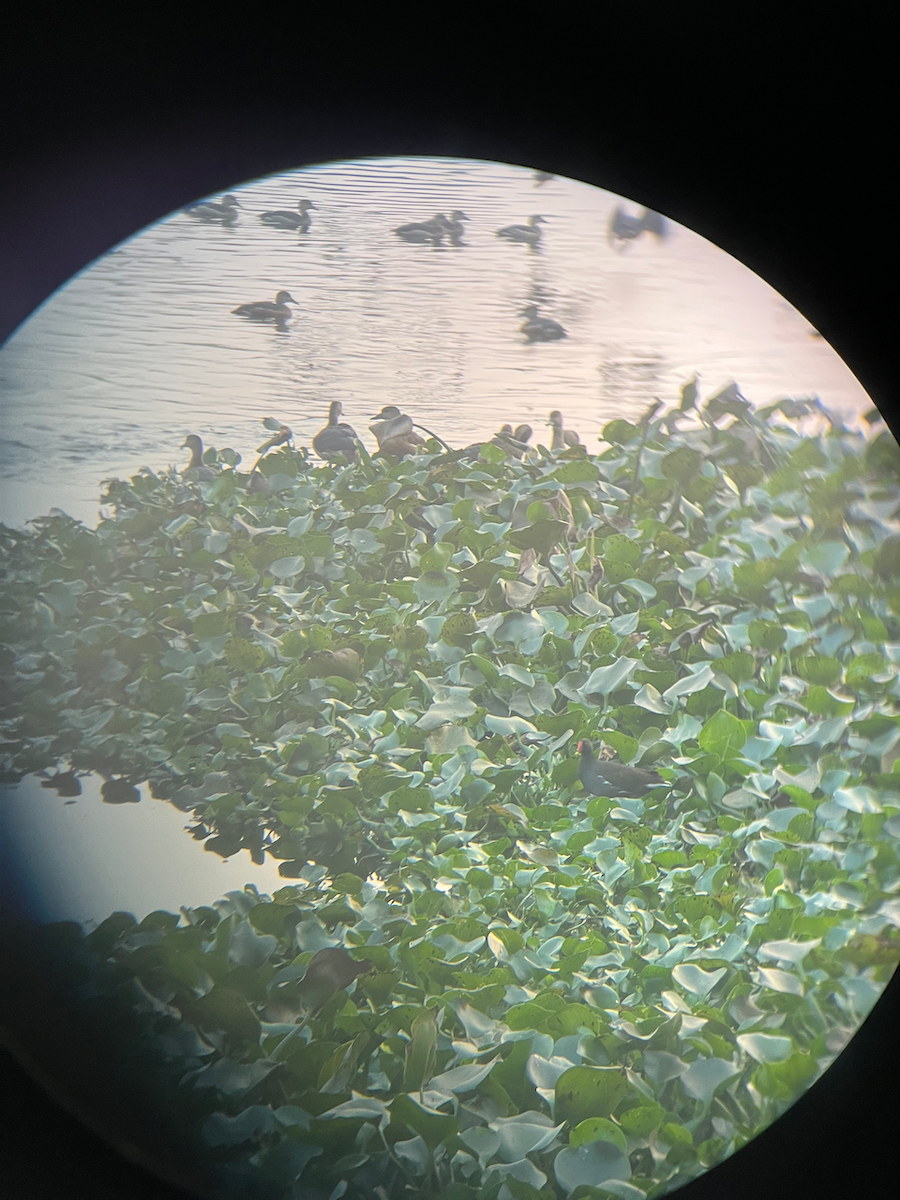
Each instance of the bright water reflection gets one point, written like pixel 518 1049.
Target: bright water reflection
pixel 141 348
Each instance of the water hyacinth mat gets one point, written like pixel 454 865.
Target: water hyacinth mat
pixel 480 980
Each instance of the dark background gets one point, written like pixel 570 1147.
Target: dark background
pixel 769 137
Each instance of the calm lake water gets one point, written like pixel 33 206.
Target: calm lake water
pixel 81 859
pixel 142 348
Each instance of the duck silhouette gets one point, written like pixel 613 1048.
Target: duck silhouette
pixel 623 229
pixel 425 231
pixel 513 441
pixel 454 227
pixel 209 210
pixel 197 468
pixel 282 218
pixel 335 440
pixel 523 233
pixel 604 778
pixel 540 329
pixel 266 310
pixel 562 438
pixel 394 433
pixel 541 177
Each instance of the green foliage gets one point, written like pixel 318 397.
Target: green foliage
pixel 535 988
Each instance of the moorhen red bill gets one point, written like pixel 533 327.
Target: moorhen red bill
pixel 602 778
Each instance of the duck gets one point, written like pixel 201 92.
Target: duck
pixel 266 310
pixel 454 226
pixel 285 219
pixel 624 229
pixel 542 177
pixel 555 421
pixel 540 329
pixel 604 778
pixel 394 432
pixel 196 466
pixel 335 440
pixel 425 231
pixel 209 210
pixel 513 441
pixel 523 233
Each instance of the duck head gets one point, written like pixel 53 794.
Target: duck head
pixel 555 419
pixel 522 433
pixel 536 220
pixel 303 205
pixel 230 201
pixel 530 312
pixel 284 298
pixel 390 412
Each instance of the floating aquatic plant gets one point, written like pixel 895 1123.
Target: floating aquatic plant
pixel 376 674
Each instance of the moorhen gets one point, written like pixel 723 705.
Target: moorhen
pixel 602 778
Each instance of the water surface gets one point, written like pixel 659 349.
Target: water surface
pixel 142 348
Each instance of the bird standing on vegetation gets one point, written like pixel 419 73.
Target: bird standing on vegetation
pixel 266 310
pixel 513 441
pixel 196 466
pixel 209 210
pixel 602 778
pixel 394 433
pixel 561 439
pixel 523 233
pixel 540 329
pixel 336 440
pixel 284 219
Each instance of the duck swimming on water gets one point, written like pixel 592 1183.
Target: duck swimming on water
pixel 523 233
pixel 266 310
pixel 425 231
pixel 540 329
pixel 336 440
pixel 285 219
pixel 454 226
pixel 208 210
pixel 394 433
pixel 196 466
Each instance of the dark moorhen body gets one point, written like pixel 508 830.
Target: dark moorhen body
pixel 602 778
